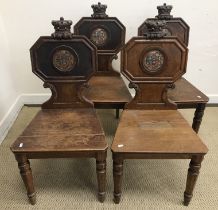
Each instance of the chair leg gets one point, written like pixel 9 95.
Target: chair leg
pixel 117 113
pixel 199 112
pixel 101 177
pixel 117 174
pixel 26 174
pixel 193 172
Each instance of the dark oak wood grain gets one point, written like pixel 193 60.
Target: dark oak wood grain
pixel 185 95
pixel 108 91
pixel 175 26
pixel 156 131
pixel 150 126
pixel 67 125
pixel 108 34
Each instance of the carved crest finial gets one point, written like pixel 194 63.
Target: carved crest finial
pixel 62 29
pixel 164 12
pixel 155 29
pixel 99 10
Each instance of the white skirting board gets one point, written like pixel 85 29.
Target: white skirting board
pixel 11 115
pixel 25 99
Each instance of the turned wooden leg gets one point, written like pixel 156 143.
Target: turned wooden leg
pixel 199 112
pixel 26 174
pixel 193 173
pixel 117 113
pixel 117 174
pixel 101 177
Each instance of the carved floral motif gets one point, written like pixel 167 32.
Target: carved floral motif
pixel 64 60
pixel 153 61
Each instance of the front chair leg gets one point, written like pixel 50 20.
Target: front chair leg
pixel 101 177
pixel 117 174
pixel 193 172
pixel 26 174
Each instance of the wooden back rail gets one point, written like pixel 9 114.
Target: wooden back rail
pixel 152 64
pixel 108 35
pixel 65 62
pixel 176 26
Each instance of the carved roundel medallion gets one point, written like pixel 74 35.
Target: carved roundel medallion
pixel 64 60
pixel 99 36
pixel 153 61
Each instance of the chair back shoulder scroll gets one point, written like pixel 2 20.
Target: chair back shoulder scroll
pixel 64 62
pixel 107 33
pixel 152 63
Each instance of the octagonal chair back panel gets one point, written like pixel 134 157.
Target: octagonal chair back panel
pixel 151 64
pixel 175 26
pixel 107 33
pixel 65 63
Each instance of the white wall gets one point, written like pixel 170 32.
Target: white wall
pixel 8 91
pixel 23 21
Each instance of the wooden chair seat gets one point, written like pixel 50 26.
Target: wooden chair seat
pixel 108 90
pixel 62 130
pixel 67 125
pixel 185 93
pixel 156 131
pixel 150 126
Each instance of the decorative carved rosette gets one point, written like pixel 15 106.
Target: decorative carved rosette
pixel 164 12
pixel 62 29
pixel 64 59
pixel 99 10
pixel 152 61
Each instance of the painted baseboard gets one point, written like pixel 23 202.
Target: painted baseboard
pixel 31 99
pixel 11 115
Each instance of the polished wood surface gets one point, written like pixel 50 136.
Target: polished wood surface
pixel 67 125
pixel 186 93
pixel 105 90
pixel 107 33
pixel 175 26
pixel 156 131
pixel 151 86
pixel 150 126
pixel 62 130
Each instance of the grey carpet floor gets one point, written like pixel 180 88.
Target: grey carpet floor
pixel 147 184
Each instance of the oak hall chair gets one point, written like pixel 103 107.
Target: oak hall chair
pixel 150 126
pixel 67 125
pixel 183 93
pixel 107 88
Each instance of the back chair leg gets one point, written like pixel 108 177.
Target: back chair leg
pixel 199 112
pixel 26 174
pixel 101 176
pixel 117 174
pixel 193 172
pixel 117 113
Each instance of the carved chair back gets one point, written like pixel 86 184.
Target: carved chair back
pixel 64 62
pixel 175 26
pixel 152 63
pixel 107 33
